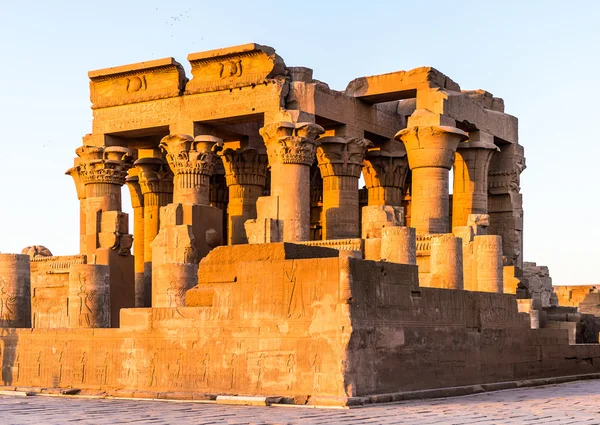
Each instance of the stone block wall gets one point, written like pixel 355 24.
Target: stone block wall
pixel 304 322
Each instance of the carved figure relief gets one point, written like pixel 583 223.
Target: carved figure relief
pixel 316 367
pixel 260 365
pixel 175 294
pixel 290 365
pixel 232 68
pixel 7 303
pixel 233 368
pixel 84 361
pixel 151 380
pixel 135 84
pixel 86 298
pixel 175 372
pixel 296 307
pixel 102 371
pixel 205 364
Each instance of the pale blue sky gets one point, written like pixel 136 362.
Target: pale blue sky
pixel 541 57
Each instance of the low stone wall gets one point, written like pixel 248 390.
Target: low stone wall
pixel 304 323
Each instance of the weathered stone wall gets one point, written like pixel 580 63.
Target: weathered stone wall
pixel 540 285
pixel 276 321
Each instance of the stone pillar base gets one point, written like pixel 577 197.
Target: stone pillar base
pixel 375 218
pixel 488 265
pixel 171 282
pixel 89 296
pixel 446 262
pixel 15 291
pixel 399 245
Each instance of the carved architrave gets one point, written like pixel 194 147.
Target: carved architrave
pixel 239 66
pixel 139 82
pixel 338 156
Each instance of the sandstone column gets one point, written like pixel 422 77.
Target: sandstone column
pixel 193 162
pixel 174 259
pixel 103 171
pixel 137 202
pixel 488 267
pixel 446 262
pixel 471 164
pixel 15 291
pixel 156 184
pixel 340 162
pixel 189 227
pixel 291 150
pixel 399 245
pixel 430 152
pixel 246 175
pixel 89 296
pixel 384 172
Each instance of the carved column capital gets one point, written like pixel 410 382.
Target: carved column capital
pixel 244 166
pixel 291 143
pixel 339 156
pixel 384 168
pixel 154 176
pixel 100 164
pixel 432 146
pixel 74 172
pixel 187 155
pixel 505 172
pixel 193 161
pixel 135 191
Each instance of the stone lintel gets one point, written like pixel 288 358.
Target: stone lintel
pixel 138 82
pixel 230 51
pixel 349 111
pixel 486 99
pixel 463 108
pixel 398 85
pixel 233 67
pixel 132 67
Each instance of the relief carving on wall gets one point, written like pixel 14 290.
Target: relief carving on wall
pixel 232 68
pixel 136 83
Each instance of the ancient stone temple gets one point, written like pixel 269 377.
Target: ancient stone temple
pixel 257 264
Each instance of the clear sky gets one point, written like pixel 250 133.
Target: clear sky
pixel 541 57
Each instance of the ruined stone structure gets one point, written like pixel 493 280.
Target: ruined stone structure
pixel 259 266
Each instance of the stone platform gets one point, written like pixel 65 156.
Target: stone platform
pixel 310 324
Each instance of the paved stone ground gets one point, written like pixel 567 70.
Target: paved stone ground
pixel 572 403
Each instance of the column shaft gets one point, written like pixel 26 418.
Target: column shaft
pixel 241 207
pixel 488 267
pixel 340 207
pixel 430 152
pixel 399 245
pixel 138 252
pixel 152 203
pixel 446 262
pixel 291 184
pixel 191 188
pixel 430 212
pixel 470 193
